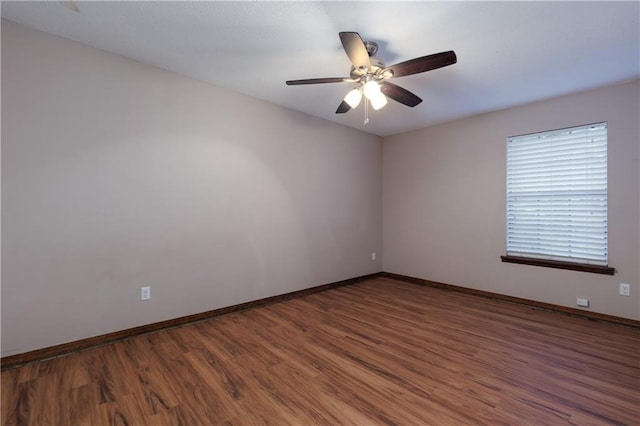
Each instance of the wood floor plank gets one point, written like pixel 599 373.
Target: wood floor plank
pixel 376 352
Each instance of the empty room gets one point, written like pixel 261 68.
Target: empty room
pixel 301 213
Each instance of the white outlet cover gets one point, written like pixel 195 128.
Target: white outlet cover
pixel 625 289
pixel 145 293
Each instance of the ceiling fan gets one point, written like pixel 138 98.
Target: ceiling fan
pixel 371 75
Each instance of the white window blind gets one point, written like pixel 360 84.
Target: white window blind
pixel 557 195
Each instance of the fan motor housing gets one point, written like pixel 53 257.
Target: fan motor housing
pixel 376 66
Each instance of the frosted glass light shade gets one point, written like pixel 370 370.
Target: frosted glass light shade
pixel 374 94
pixel 378 101
pixel 371 89
pixel 353 97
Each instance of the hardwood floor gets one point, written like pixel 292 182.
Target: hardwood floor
pixel 377 352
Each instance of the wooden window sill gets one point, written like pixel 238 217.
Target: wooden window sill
pixel 596 269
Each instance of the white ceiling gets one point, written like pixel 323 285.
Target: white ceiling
pixel 509 53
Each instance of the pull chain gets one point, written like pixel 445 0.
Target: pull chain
pixel 366 113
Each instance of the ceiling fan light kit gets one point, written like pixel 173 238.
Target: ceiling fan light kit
pixel 371 75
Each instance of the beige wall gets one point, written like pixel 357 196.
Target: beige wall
pixel 444 202
pixel 117 175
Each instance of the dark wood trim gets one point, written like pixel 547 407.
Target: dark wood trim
pixel 533 303
pixel 583 267
pixel 19 360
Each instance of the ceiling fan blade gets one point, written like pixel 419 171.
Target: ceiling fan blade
pixel 424 63
pixel 356 50
pixel 315 81
pixel 399 94
pixel 342 108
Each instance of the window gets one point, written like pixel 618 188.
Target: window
pixel 557 199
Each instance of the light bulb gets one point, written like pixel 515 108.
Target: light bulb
pixel 378 101
pixel 371 89
pixel 353 97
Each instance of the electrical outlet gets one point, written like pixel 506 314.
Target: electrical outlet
pixel 625 289
pixel 145 293
pixel 373 256
pixel 583 302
